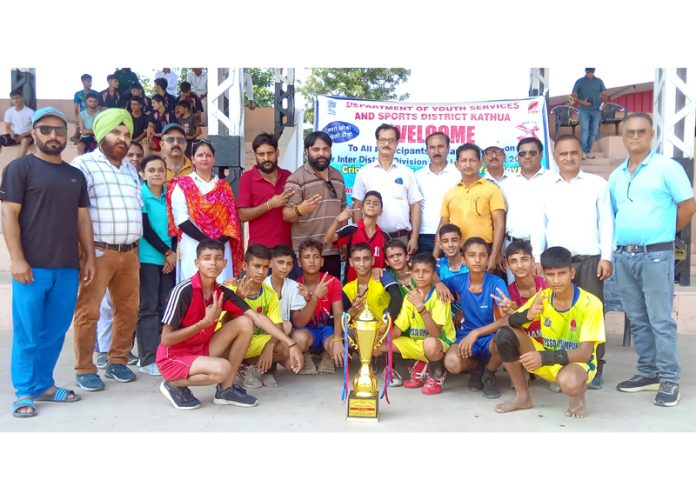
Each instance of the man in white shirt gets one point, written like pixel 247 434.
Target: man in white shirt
pixel 494 158
pixel 172 80
pixel 433 182
pixel 401 215
pixel 576 213
pixel 17 124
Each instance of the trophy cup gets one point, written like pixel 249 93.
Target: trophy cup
pixel 363 399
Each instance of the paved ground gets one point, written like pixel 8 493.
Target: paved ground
pixel 313 404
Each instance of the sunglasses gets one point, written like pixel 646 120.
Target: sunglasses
pixel 172 140
pixel 47 129
pixel 523 154
pixel 202 141
pixel 331 187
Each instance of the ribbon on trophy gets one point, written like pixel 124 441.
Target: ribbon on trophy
pixel 346 372
pixel 390 360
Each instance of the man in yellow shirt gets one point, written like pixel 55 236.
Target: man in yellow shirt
pixel 476 205
pixel 572 326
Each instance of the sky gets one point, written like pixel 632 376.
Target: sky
pixel 459 51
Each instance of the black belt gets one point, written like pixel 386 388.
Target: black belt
pixel 399 233
pixel 512 238
pixel 116 248
pixel 655 247
pixel 580 258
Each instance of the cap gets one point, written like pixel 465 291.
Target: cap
pixel 173 126
pixel 589 70
pixel 48 111
pixel 496 144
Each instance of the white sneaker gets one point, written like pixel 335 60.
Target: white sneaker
pixel 251 377
pixel 268 380
pixel 150 369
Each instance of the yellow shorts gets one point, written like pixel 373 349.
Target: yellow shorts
pixel 258 342
pixel 413 348
pixel 550 372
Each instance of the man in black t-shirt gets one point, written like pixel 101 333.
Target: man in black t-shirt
pixel 140 119
pixel 44 213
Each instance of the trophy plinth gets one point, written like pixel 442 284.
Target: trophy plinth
pixel 363 401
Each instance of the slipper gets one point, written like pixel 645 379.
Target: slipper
pixel 23 403
pixel 60 396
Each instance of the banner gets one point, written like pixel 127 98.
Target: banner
pixel 351 123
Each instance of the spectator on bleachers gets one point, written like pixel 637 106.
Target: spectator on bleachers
pixel 126 79
pixel 161 90
pixel 172 79
pixel 111 98
pixel 146 103
pixel 186 95
pixel 80 102
pixel 17 125
pixel 199 85
pixel 158 119
pixel 140 120
pixel 188 122
pixel 87 142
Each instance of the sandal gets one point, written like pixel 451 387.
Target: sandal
pixel 60 395
pixel 23 403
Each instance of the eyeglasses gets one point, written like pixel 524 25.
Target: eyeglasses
pixel 387 141
pixel 202 141
pixel 47 129
pixel 494 152
pixel 331 187
pixel 523 154
pixel 172 140
pixel 641 132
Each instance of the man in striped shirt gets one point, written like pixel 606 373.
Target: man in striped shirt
pixel 115 202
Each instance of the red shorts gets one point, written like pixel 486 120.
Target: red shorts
pixel 174 362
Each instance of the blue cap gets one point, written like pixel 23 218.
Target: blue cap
pixel 48 111
pixel 173 126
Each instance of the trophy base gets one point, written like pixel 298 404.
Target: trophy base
pixel 362 409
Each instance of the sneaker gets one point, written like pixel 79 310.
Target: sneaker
pixel 433 385
pixel 268 380
pixel 89 382
pixel 490 388
pixel 326 365
pixel 102 360
pixel 132 359
pixel 419 372
pixel 150 369
pixel 234 395
pixel 639 383
pixel 120 373
pixel 668 395
pixel 251 377
pixel 476 381
pixel 308 367
pixel 180 397
pixel 584 156
pixel 397 379
pixel 553 387
pixel 597 382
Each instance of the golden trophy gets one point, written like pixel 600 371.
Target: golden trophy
pixel 363 399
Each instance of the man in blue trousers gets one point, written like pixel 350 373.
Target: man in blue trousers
pixel 44 216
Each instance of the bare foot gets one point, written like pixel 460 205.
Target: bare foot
pixel 576 408
pixel 514 404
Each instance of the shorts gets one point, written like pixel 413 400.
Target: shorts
pixel 481 348
pixel 7 140
pixel 550 372
pixel 175 364
pixel 319 335
pixel 90 143
pixel 413 348
pixel 156 144
pixel 258 342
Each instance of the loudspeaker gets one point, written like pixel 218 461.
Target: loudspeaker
pixel 228 152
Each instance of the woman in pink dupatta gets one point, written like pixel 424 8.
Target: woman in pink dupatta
pixel 201 206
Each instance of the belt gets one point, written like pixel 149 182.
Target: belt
pixel 655 247
pixel 399 233
pixel 116 248
pixel 512 238
pixel 580 258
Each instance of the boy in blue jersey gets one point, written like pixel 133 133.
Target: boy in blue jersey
pixel 452 263
pixel 478 292
pixel 572 326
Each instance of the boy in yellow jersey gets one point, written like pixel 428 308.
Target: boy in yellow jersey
pixel 572 326
pixel 381 296
pixel 264 349
pixel 428 321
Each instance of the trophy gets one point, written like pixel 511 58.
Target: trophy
pixel 363 399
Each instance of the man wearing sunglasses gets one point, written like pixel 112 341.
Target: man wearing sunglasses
pixel 44 216
pixel 652 198
pixel 173 146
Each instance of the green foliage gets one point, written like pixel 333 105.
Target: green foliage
pixel 365 83
pixel 264 86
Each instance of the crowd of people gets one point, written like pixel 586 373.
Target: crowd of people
pixel 476 271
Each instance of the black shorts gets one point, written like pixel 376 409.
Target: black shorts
pixel 7 140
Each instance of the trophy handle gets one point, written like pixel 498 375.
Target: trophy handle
pixel 386 319
pixel 345 324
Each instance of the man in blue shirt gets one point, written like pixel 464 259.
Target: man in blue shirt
pixel 652 199
pixel 590 92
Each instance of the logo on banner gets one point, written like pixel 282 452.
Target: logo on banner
pixel 332 108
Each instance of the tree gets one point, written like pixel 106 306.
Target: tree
pixel 264 86
pixel 365 83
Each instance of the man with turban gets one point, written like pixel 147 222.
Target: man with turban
pixel 115 205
